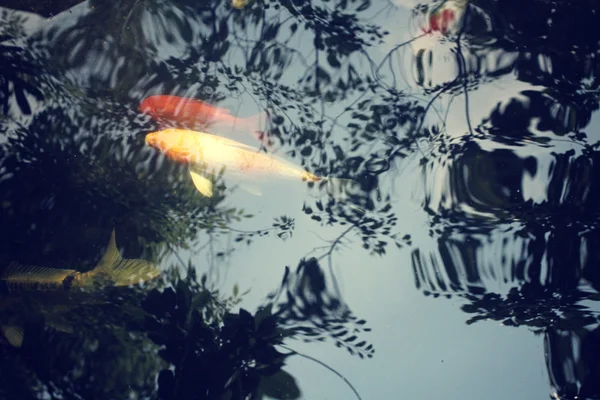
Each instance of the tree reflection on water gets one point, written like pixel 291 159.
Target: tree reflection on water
pixel 513 201
pixel 509 190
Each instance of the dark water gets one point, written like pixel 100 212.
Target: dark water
pixel 463 264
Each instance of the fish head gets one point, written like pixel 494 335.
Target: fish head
pixel 162 106
pixel 177 144
pixel 152 139
pixel 149 105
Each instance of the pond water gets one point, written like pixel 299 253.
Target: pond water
pixel 442 246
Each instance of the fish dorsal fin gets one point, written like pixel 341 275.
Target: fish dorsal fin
pixel 222 140
pixel 240 145
pixel 111 256
pixel 14 335
pixel 120 271
pixel 233 143
pixel 29 277
pixel 203 184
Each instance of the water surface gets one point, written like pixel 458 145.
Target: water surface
pixel 460 265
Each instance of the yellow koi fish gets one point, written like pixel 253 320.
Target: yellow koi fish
pixel 239 4
pixel 204 152
pixel 42 290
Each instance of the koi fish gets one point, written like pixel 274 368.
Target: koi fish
pixel 441 21
pixel 47 283
pixel 447 18
pixel 195 114
pixel 204 152
pixel 239 4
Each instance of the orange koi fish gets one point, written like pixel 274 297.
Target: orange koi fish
pixel 195 114
pixel 447 18
pixel 441 21
pixel 205 153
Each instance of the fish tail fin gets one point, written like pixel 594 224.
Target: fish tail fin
pixel 338 188
pixel 118 270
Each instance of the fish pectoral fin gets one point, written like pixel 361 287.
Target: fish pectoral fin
pixel 203 184
pixel 14 335
pixel 60 326
pixel 29 277
pixel 250 188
